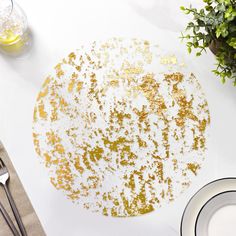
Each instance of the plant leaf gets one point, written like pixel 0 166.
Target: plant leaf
pixel 232 42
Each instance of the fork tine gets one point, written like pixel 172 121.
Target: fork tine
pixel 2 163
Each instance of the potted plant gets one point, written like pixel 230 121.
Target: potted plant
pixel 214 26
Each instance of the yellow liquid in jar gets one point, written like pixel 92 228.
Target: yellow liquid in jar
pixel 9 37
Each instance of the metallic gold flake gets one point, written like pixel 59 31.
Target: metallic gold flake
pixel 117 135
pixel 170 59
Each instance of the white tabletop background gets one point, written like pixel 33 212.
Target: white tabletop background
pixel 60 26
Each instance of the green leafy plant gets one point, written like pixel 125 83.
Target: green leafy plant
pixel 214 26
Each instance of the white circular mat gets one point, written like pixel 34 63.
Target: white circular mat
pixel 121 126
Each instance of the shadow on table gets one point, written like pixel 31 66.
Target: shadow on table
pixel 29 64
pixel 159 13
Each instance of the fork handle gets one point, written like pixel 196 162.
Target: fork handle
pixel 8 220
pixel 15 211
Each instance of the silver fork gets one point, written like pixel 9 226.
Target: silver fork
pixel 8 220
pixel 4 177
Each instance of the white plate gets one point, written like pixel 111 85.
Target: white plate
pixel 208 196
pixel 227 198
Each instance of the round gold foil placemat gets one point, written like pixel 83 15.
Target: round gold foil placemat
pixel 121 126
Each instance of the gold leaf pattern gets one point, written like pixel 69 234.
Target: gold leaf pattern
pixel 118 136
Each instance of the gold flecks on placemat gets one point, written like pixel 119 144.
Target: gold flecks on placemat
pixel 28 215
pixel 121 127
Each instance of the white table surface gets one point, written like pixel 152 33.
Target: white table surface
pixel 60 26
